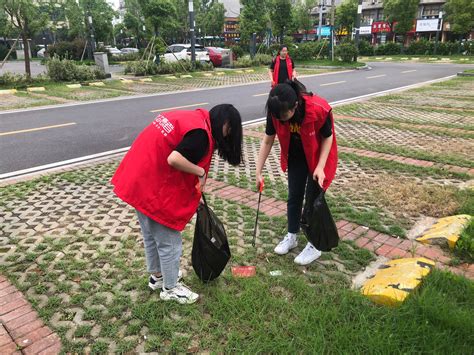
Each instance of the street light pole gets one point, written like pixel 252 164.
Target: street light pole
pixel 320 25
pixel 440 26
pixel 357 29
pixel 333 12
pixel 192 32
pixel 91 30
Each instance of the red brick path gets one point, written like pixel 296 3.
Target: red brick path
pixel 378 243
pixel 21 331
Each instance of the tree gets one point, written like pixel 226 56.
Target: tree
pixel 102 15
pixel 280 15
pixel 161 14
pixel 346 15
pixel 75 18
pixel 302 19
pixel 253 18
pixel 403 12
pixel 26 17
pixel 210 17
pixel 134 19
pixel 460 15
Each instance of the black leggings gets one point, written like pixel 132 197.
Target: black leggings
pixel 299 181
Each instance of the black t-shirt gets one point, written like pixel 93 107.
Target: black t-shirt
pixel 296 145
pixel 283 72
pixel 194 146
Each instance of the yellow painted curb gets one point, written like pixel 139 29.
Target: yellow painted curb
pixel 172 77
pixel 446 230
pixel 415 58
pixel 74 86
pixel 220 73
pixel 8 92
pixel 239 71
pixel 207 74
pixel 404 58
pixel 36 89
pixel 394 280
pixel 99 83
pixel 249 71
pixel 126 81
pixel 146 80
pixel 186 76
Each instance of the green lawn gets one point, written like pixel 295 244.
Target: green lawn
pixel 327 62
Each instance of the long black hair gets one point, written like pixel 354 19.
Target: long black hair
pixel 229 148
pixel 284 97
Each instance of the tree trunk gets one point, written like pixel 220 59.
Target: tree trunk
pixel 26 49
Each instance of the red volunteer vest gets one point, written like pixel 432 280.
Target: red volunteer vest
pixel 317 109
pixel 147 182
pixel 276 70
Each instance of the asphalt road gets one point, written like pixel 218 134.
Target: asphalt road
pixel 35 137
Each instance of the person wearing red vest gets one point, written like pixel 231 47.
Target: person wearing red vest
pixel 304 125
pixel 282 68
pixel 162 177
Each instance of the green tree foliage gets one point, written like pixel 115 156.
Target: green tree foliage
pixel 253 18
pixel 26 17
pixel 346 15
pixel 460 14
pixel 280 16
pixel 403 12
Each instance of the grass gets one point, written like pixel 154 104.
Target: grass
pixel 415 154
pixel 327 62
pixel 393 166
pixel 423 128
pixel 465 245
pixel 422 58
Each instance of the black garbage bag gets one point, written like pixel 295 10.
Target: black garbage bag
pixel 211 251
pixel 317 222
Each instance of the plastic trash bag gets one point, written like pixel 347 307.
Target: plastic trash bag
pixel 317 222
pixel 211 251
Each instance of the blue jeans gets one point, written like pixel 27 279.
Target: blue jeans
pixel 163 249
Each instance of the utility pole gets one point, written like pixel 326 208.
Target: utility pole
pixel 440 26
pixel 357 29
pixel 320 25
pixel 192 32
pixel 333 12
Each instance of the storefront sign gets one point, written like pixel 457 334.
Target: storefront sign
pixel 431 25
pixel 365 30
pixel 325 30
pixel 381 26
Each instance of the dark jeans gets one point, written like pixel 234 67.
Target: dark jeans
pixel 299 181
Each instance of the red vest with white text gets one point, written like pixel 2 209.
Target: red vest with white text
pixel 147 182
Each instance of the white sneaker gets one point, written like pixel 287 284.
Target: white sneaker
pixel 308 255
pixel 288 243
pixel 156 283
pixel 181 294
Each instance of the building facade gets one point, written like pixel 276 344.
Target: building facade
pixel 428 22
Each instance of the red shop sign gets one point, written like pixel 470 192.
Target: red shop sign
pixel 381 26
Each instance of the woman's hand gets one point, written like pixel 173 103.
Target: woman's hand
pixel 319 175
pixel 259 181
pixel 202 182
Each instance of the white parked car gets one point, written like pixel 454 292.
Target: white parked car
pixel 41 52
pixel 129 50
pixel 177 52
pixel 113 50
